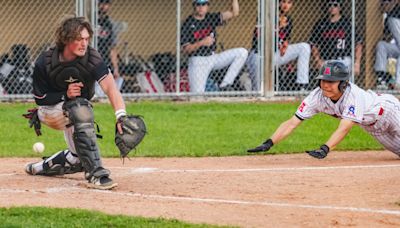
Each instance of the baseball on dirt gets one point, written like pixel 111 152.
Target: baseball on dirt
pixel 38 147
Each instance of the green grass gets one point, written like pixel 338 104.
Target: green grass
pixel 187 129
pixel 175 129
pixel 54 217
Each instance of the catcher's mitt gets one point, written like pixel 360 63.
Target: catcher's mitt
pixel 134 130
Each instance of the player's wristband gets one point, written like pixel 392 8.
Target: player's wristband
pixel 269 142
pixel 119 113
pixel 325 148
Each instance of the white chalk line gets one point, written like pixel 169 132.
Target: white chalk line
pixel 208 200
pixel 280 169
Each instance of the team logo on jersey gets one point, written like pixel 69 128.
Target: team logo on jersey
pixel 327 71
pixel 202 33
pixel 352 111
pixel 301 107
pixel 71 80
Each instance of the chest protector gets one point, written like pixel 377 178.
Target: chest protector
pixel 61 74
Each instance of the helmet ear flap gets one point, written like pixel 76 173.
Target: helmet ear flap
pixel 343 85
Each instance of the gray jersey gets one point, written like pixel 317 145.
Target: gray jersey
pixel 378 114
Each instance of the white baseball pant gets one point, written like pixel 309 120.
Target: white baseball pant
pixel 53 116
pixel 299 51
pixel 385 50
pixel 387 127
pixel 200 67
pixel 253 67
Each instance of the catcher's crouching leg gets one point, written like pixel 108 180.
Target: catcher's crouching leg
pixel 80 113
pixel 63 162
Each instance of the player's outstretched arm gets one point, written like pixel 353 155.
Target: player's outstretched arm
pixel 317 57
pixel 344 128
pixel 234 12
pixel 284 130
pixel 110 89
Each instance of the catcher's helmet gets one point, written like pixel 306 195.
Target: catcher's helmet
pixel 334 70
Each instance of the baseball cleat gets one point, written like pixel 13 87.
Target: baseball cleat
pixel 30 170
pixel 102 183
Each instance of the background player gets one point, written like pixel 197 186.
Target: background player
pixel 385 48
pixel 379 115
pixel 198 40
pixel 63 84
pixel 107 43
pixel 286 53
pixel 331 38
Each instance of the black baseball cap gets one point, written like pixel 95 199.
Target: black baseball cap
pixel 104 1
pixel 200 2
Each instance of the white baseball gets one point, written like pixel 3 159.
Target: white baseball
pixel 38 147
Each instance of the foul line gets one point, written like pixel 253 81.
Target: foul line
pixel 156 170
pixel 208 200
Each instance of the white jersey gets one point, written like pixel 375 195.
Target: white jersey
pixel 378 114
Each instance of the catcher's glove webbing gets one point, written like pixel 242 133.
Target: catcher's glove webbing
pixel 134 130
pixel 34 121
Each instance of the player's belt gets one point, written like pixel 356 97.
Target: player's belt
pixel 381 110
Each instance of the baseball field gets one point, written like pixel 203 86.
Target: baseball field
pixel 192 168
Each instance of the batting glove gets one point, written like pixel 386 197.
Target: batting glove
pixel 34 121
pixel 263 147
pixel 320 153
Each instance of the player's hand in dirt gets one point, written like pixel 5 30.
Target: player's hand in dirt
pixel 263 147
pixel 320 153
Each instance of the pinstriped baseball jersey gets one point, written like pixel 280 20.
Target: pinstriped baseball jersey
pixel 378 114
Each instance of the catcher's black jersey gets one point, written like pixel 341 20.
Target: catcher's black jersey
pixel 45 93
pixel 333 39
pixel 194 30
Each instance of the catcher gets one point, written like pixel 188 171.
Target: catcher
pixel 378 114
pixel 63 84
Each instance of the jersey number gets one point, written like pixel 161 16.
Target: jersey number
pixel 341 44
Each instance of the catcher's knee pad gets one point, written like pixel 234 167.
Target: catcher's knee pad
pixel 63 162
pixel 80 113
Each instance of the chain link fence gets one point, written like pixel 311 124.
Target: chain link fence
pixel 27 29
pixel 333 29
pixel 149 46
pixel 148 43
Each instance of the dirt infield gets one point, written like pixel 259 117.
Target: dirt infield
pixel 345 189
